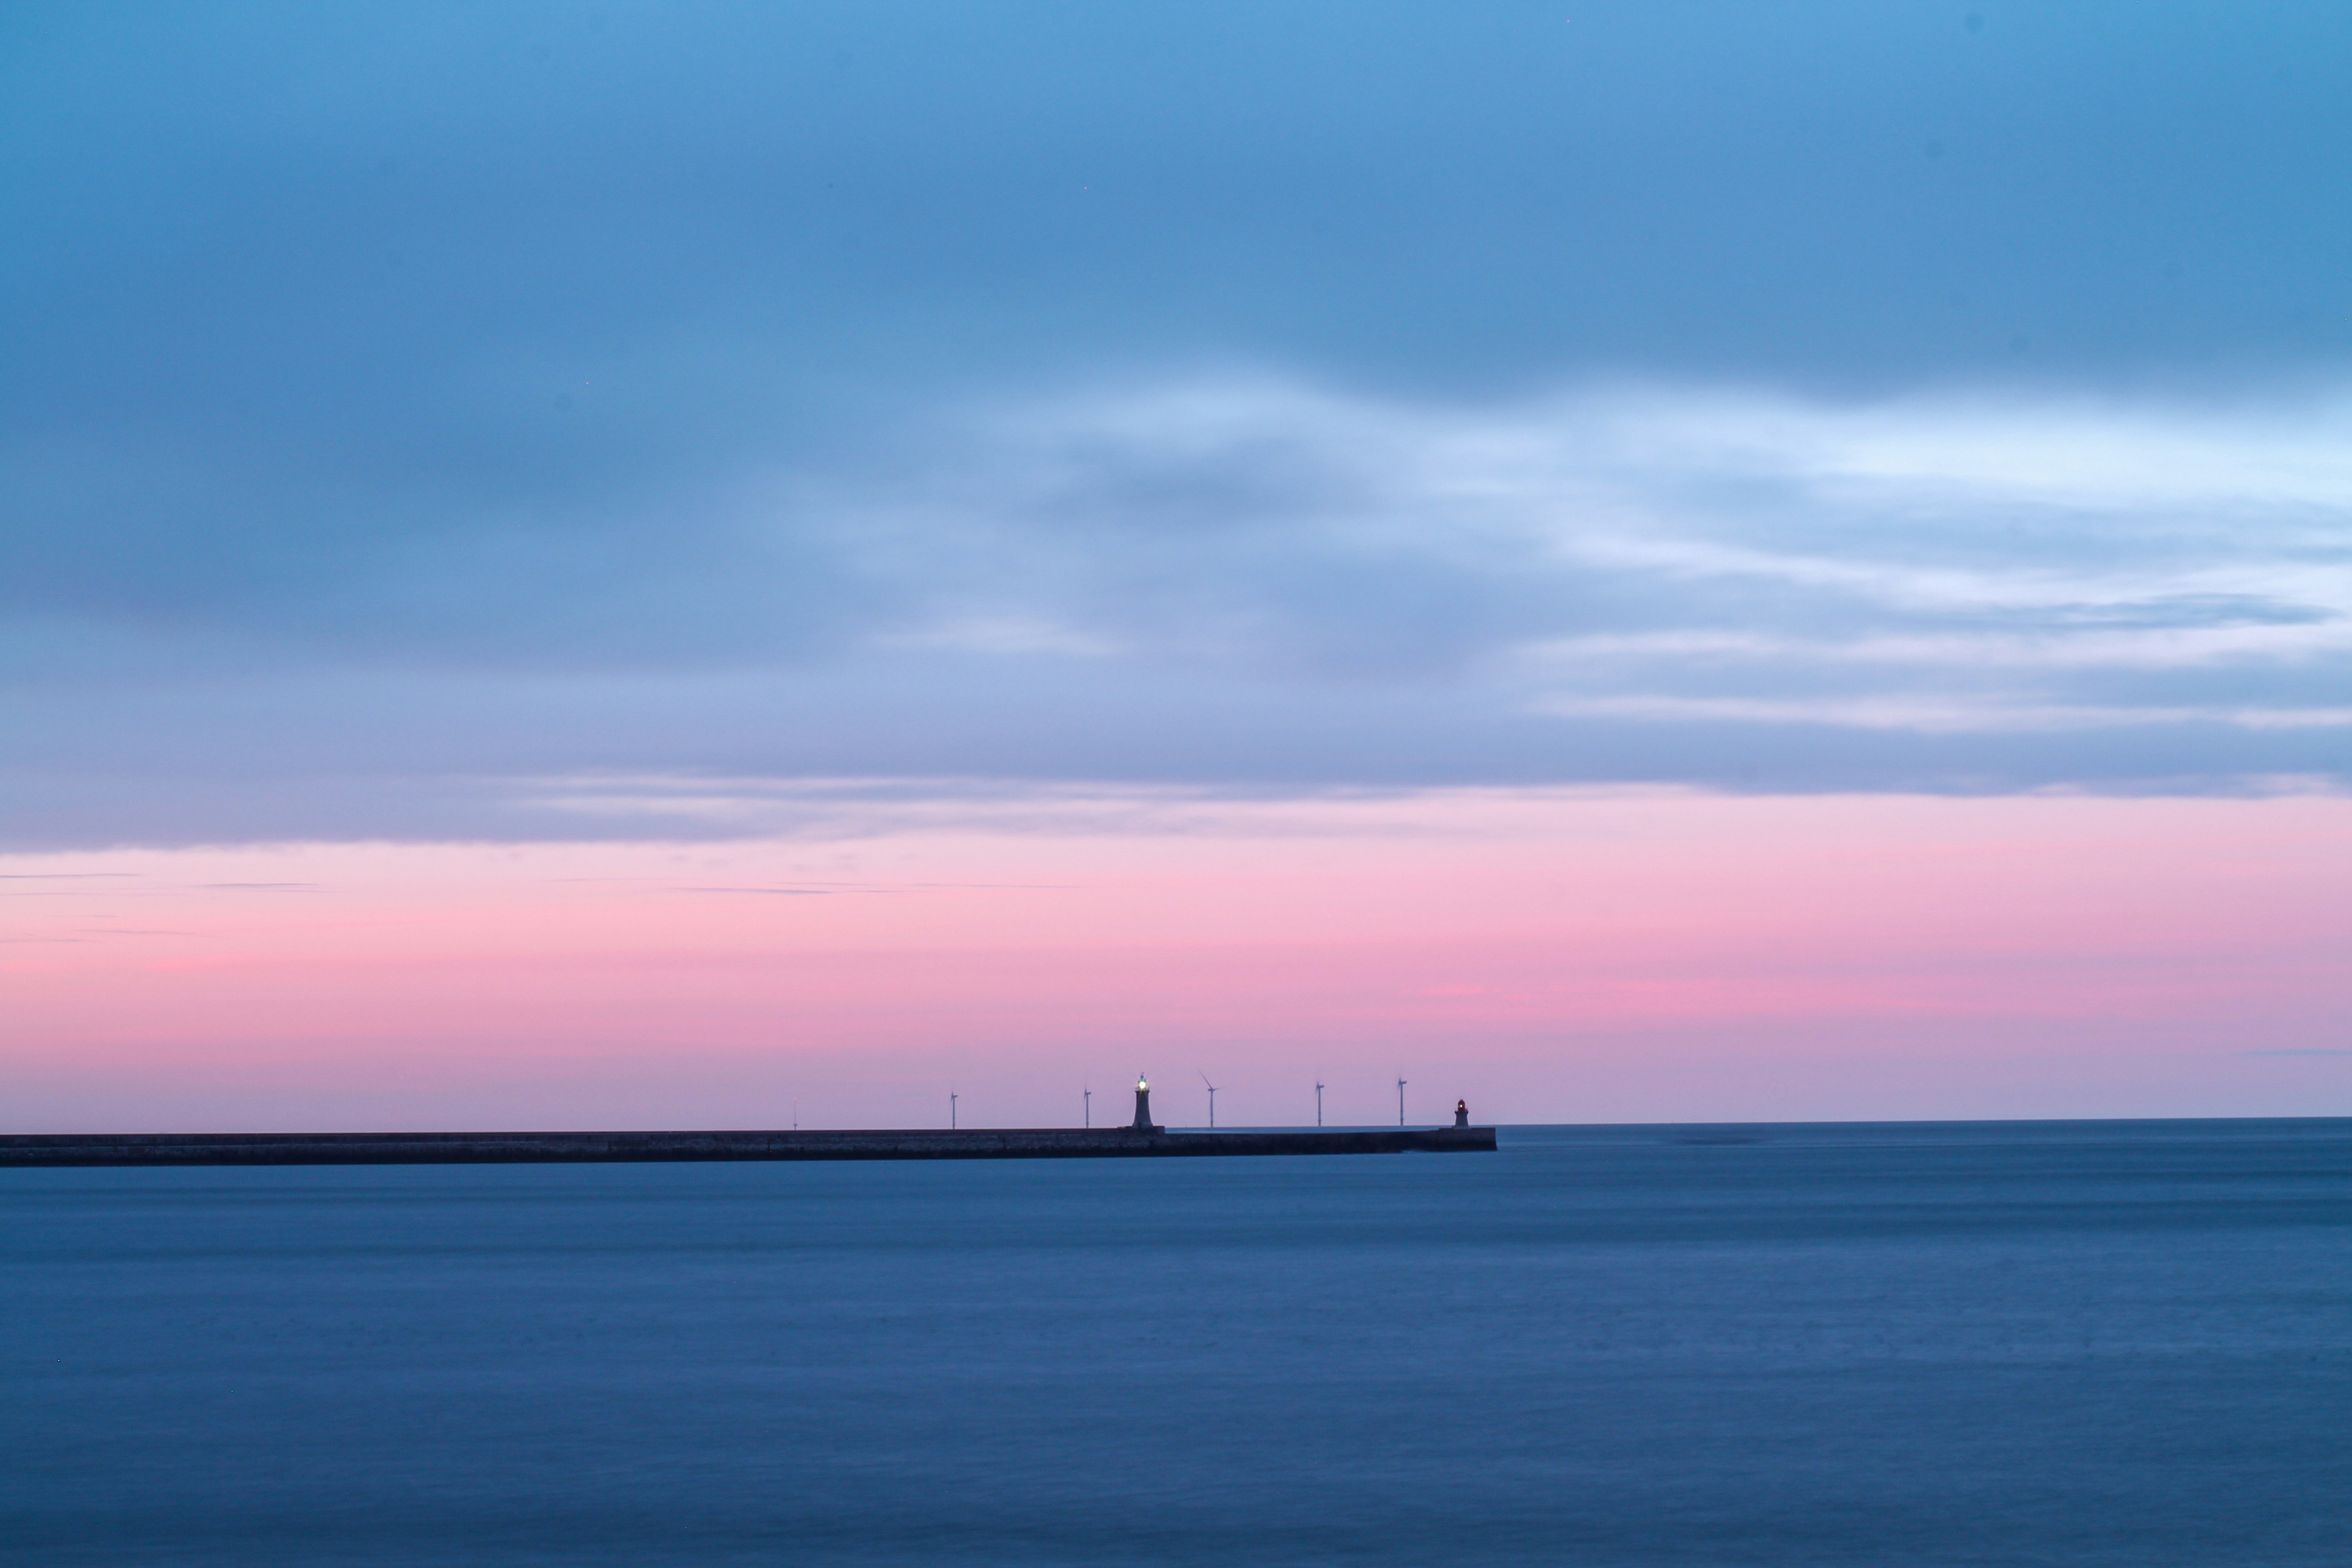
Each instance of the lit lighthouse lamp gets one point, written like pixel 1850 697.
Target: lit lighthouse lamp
pixel 1143 1106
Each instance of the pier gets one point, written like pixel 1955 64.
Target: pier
pixel 136 1149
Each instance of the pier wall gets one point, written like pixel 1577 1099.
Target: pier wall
pixel 555 1148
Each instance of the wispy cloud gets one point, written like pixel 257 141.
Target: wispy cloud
pixel 402 409
pixel 1249 582
pixel 1944 563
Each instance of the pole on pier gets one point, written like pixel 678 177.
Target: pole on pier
pixel 1318 1102
pixel 1400 1102
pixel 952 1111
pixel 1090 1106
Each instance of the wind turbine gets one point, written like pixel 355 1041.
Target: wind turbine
pixel 1400 1102
pixel 951 1113
pixel 1318 1102
pixel 1090 1105
pixel 1212 1100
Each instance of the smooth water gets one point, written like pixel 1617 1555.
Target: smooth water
pixel 2080 1343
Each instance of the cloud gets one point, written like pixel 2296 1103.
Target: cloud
pixel 1679 554
pixel 406 406
pixel 1249 582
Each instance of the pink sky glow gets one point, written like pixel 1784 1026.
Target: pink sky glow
pixel 1553 956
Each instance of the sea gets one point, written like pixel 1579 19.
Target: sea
pixel 2079 1343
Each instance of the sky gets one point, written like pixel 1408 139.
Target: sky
pixel 1651 562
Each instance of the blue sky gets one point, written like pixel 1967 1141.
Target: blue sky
pixel 413 416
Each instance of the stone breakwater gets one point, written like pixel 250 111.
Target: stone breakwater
pixel 558 1148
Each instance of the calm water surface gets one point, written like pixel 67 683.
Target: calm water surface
pixel 2081 1343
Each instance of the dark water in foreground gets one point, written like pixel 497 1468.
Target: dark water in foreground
pixel 2085 1343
